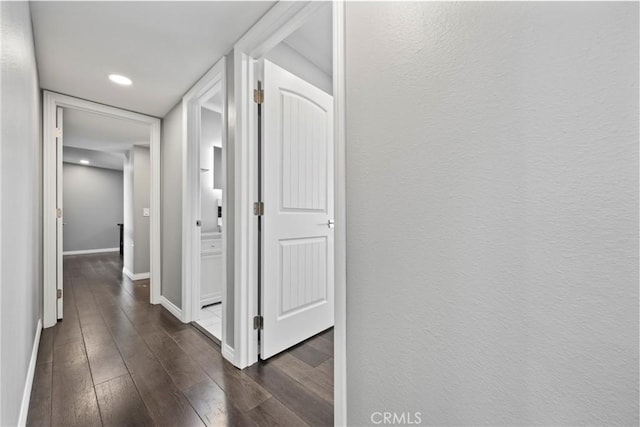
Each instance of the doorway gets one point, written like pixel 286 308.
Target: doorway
pixel 53 126
pixel 204 209
pixel 279 23
pixel 209 313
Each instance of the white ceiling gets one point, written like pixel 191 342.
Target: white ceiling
pixel 102 133
pixel 314 40
pixel 101 140
pixel 98 159
pixel 164 47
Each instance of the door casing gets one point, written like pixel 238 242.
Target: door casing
pixel 213 80
pixel 50 102
pixel 282 20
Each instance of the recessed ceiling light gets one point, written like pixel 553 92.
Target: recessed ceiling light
pixel 121 80
pixel 84 162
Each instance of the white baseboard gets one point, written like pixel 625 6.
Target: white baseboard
pixel 26 395
pixel 228 353
pixel 91 251
pixel 211 300
pixel 138 276
pixel 171 307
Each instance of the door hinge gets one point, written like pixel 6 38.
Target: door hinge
pixel 59 293
pixel 258 208
pixel 258 322
pixel 58 213
pixel 58 132
pixel 258 96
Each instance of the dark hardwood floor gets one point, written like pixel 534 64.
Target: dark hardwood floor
pixel 116 360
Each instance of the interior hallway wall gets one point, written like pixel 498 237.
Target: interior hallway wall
pixel 141 201
pixel 496 281
pixel 21 210
pixel 93 206
pixel 171 189
pixel 128 230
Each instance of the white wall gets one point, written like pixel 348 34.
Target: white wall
pixel 492 212
pixel 92 207
pixel 171 163
pixel 21 211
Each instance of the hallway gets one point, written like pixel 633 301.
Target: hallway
pixel 117 360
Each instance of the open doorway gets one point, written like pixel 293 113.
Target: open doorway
pixel 287 141
pixel 105 199
pixel 296 185
pixel 204 206
pixel 98 139
pixel 208 316
pixel 258 45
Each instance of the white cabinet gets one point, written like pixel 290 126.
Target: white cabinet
pixel 210 272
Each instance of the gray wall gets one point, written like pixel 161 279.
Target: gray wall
pixel 492 212
pixel 171 159
pixel 21 210
pixel 92 201
pixel 141 200
pixel 129 223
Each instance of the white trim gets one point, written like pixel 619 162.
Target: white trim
pixel 26 394
pixel 340 248
pixel 1 199
pixel 281 20
pixel 171 308
pixel 50 102
pixel 227 352
pixel 214 80
pixel 134 276
pixel 91 251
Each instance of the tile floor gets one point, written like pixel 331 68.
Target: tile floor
pixel 211 319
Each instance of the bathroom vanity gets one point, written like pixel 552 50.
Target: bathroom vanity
pixel 211 269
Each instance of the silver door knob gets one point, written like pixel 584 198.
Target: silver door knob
pixel 330 223
pixel 198 223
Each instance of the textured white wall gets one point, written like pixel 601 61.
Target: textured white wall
pixel 171 164
pixel 492 208
pixel 21 225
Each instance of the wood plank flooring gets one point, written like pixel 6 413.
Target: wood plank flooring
pixel 116 360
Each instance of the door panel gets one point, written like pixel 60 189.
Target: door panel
pixel 297 297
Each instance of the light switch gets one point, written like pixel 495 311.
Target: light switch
pixel 145 211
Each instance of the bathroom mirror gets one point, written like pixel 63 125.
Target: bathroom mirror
pixel 217 168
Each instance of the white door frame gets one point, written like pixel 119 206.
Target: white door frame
pixel 192 114
pixel 282 20
pixel 50 102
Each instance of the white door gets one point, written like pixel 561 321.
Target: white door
pixel 60 212
pixel 297 295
